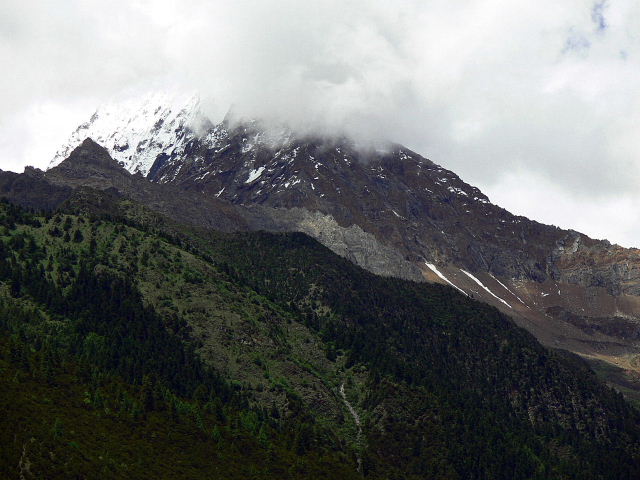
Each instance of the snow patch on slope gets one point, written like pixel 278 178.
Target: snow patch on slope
pixel 483 286
pixel 253 174
pixel 433 268
pixel 507 289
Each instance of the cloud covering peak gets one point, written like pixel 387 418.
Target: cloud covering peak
pixel 494 90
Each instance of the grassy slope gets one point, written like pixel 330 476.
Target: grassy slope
pixel 245 336
pixel 57 433
pixel 182 287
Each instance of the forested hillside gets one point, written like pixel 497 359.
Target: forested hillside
pixel 135 348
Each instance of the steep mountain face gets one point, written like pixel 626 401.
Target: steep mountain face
pixel 391 211
pixel 129 349
pixel 195 208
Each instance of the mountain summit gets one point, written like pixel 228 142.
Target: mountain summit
pixel 393 212
pixel 136 131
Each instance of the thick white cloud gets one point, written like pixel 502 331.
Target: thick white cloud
pixel 537 103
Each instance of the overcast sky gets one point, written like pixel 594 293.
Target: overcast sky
pixel 536 103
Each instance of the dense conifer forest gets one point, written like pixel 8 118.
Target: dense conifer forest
pixel 131 347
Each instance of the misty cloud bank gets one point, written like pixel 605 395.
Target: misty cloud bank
pixel 536 103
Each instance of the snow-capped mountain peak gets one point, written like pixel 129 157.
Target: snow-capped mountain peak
pixel 136 130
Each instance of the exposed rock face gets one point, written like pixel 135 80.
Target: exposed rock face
pixel 31 190
pixel 599 264
pixel 352 242
pixel 391 211
pixel 422 210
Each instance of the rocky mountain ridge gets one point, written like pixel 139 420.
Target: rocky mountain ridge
pixel 393 212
